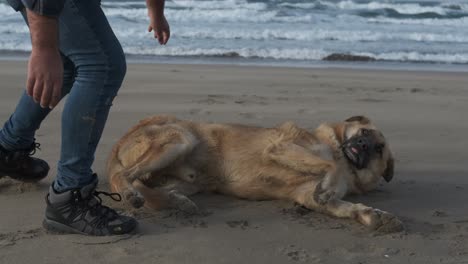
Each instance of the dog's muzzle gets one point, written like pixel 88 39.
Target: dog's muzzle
pixel 358 150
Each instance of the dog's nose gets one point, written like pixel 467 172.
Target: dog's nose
pixel 363 144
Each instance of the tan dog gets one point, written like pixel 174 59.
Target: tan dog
pixel 163 160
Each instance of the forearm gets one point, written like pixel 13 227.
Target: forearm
pixel 158 21
pixel 44 31
pixel 156 6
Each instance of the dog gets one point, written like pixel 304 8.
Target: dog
pixel 162 160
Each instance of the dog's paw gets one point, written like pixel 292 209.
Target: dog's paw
pixel 134 199
pixel 188 207
pixel 322 196
pixel 381 221
pixel 183 203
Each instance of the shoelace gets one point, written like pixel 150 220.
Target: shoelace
pixel 20 154
pixel 111 195
pixel 103 213
pixel 35 146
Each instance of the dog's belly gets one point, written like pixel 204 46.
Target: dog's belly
pixel 265 182
pixel 323 151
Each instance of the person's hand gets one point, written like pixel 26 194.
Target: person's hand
pixel 45 76
pixel 45 68
pixel 159 26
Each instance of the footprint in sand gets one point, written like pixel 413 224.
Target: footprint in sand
pixel 251 100
pixel 8 185
pixel 197 111
pixel 249 115
pixel 10 239
pixel 195 223
pixel 438 213
pixel 209 101
pixel 282 98
pixel 372 100
pixel 212 99
pixel 416 90
pixel 242 224
pixel 307 111
pixel 298 254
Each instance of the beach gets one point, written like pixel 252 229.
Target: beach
pixel 421 113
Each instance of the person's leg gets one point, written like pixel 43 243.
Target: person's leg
pixel 17 140
pixel 88 41
pixel 19 130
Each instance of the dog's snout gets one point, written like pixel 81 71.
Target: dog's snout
pixel 363 144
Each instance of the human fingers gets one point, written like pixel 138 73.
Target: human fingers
pixel 56 93
pixel 37 90
pixel 30 85
pixel 46 94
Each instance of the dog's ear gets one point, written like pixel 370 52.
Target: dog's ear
pixel 388 173
pixel 340 130
pixel 361 119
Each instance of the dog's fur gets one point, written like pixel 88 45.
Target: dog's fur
pixel 163 160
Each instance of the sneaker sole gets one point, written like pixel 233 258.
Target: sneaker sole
pixel 19 177
pixel 56 227
pixel 59 228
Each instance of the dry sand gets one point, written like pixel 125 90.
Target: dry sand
pixel 423 114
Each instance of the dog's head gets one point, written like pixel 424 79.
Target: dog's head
pixel 367 152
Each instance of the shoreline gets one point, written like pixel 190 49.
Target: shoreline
pixel 224 61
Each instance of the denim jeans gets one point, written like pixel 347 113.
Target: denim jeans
pixel 94 68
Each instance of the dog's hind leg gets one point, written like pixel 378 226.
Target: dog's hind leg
pixel 173 195
pixel 167 144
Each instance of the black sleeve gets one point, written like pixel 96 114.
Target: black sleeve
pixel 16 4
pixel 50 8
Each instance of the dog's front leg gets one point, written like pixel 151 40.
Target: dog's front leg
pixel 373 218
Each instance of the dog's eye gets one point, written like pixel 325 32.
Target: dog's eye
pixel 365 132
pixel 379 148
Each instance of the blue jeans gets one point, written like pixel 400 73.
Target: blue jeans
pixel 94 68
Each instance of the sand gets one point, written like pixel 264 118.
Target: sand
pixel 423 114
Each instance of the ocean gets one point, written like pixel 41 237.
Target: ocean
pixel 283 31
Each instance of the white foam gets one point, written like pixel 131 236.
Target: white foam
pixel 299 5
pixel 122 4
pixel 420 57
pixel 459 22
pixel 217 4
pixel 192 4
pixel 17 29
pixel 259 30
pixel 311 35
pixel 184 15
pixel 404 8
pixel 15 45
pixel 235 15
pixel 294 54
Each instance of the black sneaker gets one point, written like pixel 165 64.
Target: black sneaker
pixel 80 212
pixel 19 164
